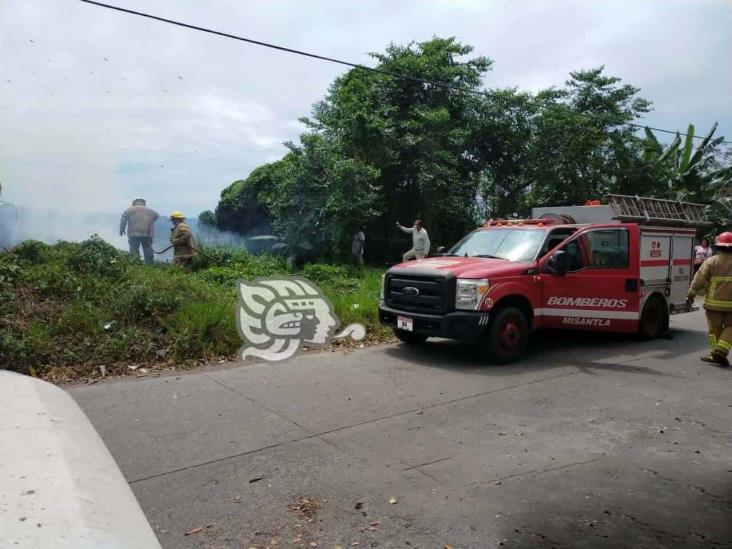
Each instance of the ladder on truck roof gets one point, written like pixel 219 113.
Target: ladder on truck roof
pixel 657 211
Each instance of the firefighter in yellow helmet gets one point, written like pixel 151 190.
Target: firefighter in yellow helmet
pixel 181 237
pixel 715 277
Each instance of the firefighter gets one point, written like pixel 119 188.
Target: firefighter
pixel 181 237
pixel 420 241
pixel 138 221
pixel 715 278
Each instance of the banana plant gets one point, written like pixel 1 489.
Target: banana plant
pixel 693 174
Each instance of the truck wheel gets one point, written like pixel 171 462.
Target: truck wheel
pixel 654 318
pixel 410 338
pixel 507 337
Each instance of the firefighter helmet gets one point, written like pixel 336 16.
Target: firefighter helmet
pixel 724 240
pixel 177 215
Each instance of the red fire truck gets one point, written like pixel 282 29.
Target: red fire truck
pixel 620 267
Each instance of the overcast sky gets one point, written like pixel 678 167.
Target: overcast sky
pixel 98 107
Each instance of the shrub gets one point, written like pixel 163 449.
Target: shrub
pixel 32 251
pixel 141 301
pixel 9 270
pixel 97 257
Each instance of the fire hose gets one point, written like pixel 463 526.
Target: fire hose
pixel 219 261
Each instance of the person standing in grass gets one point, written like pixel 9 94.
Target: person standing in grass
pixel 357 245
pixel 181 237
pixel 420 241
pixel 138 221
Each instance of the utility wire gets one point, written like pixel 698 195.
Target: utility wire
pixel 443 85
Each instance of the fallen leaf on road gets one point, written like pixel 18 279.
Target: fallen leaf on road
pixel 447 546
pixel 237 499
pixel 194 531
pixel 375 523
pixel 419 412
pixel 255 479
pixel 313 544
pixel 358 505
pixel 307 507
pixel 393 501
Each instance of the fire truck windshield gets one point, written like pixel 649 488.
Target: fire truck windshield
pixel 510 244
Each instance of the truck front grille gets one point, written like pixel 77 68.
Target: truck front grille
pixel 427 294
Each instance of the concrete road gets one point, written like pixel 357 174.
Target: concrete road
pixel 593 441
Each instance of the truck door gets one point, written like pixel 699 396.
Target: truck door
pixel 600 290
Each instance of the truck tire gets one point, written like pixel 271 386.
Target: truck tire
pixel 654 318
pixel 507 336
pixel 410 338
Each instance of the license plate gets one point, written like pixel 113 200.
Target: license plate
pixel 405 323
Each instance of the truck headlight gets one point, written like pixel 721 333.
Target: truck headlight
pixel 381 290
pixel 469 293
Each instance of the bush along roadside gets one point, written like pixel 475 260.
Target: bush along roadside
pixel 82 310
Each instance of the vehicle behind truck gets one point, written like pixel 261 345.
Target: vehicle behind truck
pixel 620 267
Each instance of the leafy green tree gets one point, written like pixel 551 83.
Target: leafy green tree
pixel 582 148
pixel 246 205
pixel 502 139
pixel 207 219
pixel 416 134
pixel 323 198
pixel 381 148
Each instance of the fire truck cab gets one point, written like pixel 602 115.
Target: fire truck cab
pixel 622 267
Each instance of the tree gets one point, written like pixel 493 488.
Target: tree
pixel 381 148
pixel 243 206
pixel 582 148
pixel 322 199
pixel 416 134
pixel 207 219
pixel 696 174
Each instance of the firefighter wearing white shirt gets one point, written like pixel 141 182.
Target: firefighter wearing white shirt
pixel 420 241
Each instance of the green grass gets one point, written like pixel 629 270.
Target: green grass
pixel 67 309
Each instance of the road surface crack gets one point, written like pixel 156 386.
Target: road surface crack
pixel 533 472
pixel 320 434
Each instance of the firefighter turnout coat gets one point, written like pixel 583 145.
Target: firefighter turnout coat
pixel 182 240
pixel 715 276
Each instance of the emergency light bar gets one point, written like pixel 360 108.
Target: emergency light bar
pixel 512 222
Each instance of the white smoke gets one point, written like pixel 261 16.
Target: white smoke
pixel 18 224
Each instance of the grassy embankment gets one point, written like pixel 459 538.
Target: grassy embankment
pixel 67 309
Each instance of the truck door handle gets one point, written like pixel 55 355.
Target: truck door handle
pixel 631 284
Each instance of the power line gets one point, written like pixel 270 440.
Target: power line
pixel 444 85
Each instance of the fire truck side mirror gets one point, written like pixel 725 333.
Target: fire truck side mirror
pixel 558 263
pixel 441 250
